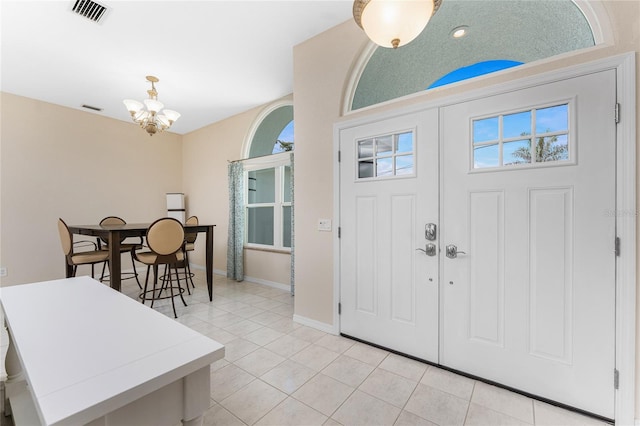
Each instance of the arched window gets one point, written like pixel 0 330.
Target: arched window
pixel 274 133
pixel 284 142
pixel 268 183
pixel 495 35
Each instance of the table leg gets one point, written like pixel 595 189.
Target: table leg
pixel 209 261
pixel 114 260
pixel 198 421
pixel 16 382
pixel 196 400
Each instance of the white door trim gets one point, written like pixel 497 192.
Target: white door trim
pixel 626 212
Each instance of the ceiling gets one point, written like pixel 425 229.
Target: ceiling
pixel 214 59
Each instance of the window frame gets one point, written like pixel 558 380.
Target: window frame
pixel 394 154
pixel 278 162
pixel 570 133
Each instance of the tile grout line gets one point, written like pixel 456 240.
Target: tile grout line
pixel 466 415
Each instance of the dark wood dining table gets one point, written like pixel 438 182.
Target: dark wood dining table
pixel 115 233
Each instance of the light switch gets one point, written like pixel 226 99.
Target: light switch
pixel 324 225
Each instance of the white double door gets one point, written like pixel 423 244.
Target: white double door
pixel 529 299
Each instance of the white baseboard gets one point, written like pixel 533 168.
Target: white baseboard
pixel 327 328
pixel 273 284
pixel 268 283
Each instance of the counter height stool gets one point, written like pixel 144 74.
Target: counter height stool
pixel 189 245
pixel 165 239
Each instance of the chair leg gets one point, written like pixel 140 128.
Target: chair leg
pixel 179 286
pixel 104 266
pixel 146 281
pixel 184 264
pixel 93 275
pixel 75 269
pixel 155 283
pixel 188 269
pixel 164 280
pixel 173 304
pixel 135 272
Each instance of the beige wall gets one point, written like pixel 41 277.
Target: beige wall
pixel 321 68
pixel 60 162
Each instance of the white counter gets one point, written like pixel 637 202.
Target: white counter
pixel 89 353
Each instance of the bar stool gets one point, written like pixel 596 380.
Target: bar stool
pixel 165 238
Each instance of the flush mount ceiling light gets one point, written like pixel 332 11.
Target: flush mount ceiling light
pixel 459 32
pixel 393 23
pixel 149 118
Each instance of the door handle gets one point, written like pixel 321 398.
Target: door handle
pixel 452 251
pixel 429 249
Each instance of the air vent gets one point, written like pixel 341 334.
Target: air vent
pixel 91 107
pixel 89 9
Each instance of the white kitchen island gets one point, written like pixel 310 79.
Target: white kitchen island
pixel 82 353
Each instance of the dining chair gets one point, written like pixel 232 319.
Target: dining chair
pixel 88 257
pixel 165 239
pixel 124 248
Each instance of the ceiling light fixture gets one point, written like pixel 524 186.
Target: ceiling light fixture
pixel 459 32
pixel 393 23
pixel 149 119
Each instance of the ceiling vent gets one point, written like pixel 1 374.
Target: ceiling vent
pixel 91 107
pixel 89 9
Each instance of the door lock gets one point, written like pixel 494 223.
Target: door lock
pixel 430 230
pixel 429 249
pixel 452 251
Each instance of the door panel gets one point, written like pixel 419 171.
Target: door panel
pixel 486 287
pixel 531 303
pixel 389 290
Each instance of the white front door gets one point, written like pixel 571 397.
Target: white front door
pixel 388 196
pixel 531 302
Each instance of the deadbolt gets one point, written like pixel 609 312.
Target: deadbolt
pixel 430 231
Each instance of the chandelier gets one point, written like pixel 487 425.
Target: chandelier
pixel 149 118
pixel 393 23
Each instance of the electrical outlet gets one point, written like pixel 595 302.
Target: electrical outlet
pixel 3 271
pixel 324 225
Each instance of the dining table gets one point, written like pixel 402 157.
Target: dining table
pixel 114 234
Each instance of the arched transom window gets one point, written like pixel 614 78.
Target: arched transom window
pixel 465 39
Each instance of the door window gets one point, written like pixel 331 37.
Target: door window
pixel 386 156
pixel 534 137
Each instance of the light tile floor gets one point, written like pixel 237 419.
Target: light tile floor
pixel 278 372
